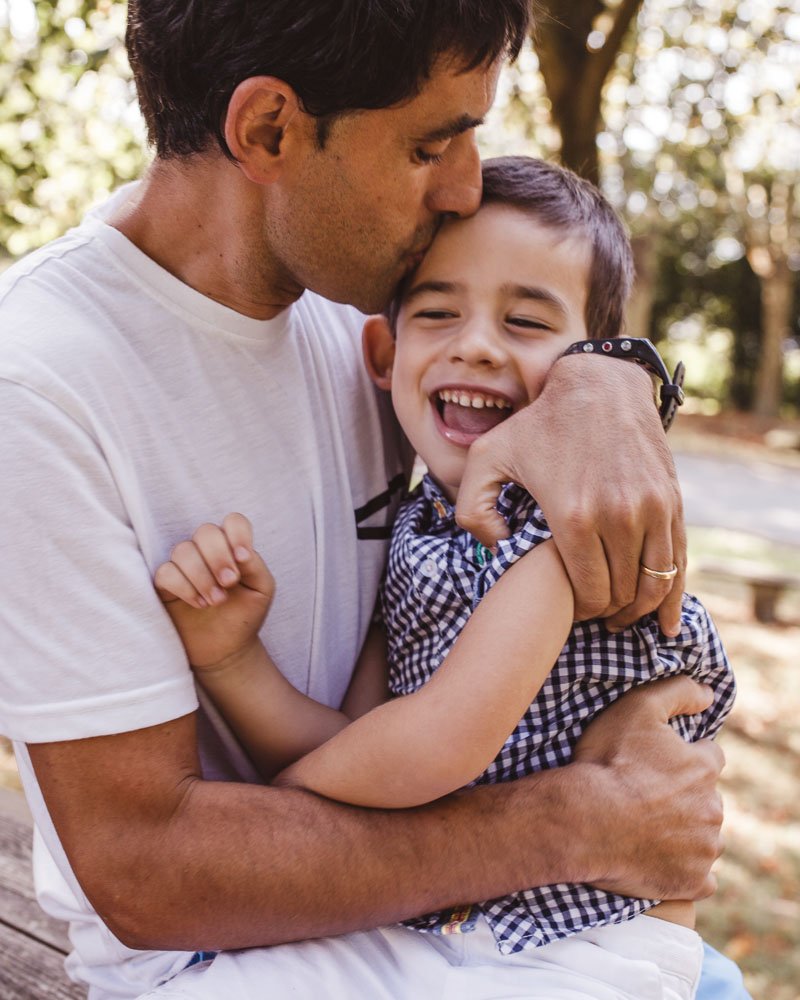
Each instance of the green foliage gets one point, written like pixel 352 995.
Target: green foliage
pixel 69 131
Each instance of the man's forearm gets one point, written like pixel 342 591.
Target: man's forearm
pixel 172 861
pixel 242 866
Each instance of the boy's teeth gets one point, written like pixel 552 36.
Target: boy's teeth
pixel 475 400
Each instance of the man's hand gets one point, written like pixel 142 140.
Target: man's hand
pixel 217 591
pixel 663 813
pixel 592 451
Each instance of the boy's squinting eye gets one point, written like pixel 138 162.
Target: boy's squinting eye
pixel 528 323
pixel 434 314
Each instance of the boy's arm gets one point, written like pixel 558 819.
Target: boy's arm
pixel 369 686
pixel 422 746
pixel 218 590
pixel 276 723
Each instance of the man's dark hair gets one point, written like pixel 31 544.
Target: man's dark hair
pixel 188 56
pixel 560 200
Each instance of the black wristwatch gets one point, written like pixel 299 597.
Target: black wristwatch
pixel 640 350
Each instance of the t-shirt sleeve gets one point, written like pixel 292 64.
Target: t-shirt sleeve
pixel 86 648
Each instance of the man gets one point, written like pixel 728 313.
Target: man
pixel 298 146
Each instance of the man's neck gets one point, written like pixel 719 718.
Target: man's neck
pixel 202 221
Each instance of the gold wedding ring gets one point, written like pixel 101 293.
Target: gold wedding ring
pixel 658 574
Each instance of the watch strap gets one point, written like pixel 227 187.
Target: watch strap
pixel 642 352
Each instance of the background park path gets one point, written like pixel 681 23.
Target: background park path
pixel 741 492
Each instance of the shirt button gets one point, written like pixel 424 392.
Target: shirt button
pixel 429 567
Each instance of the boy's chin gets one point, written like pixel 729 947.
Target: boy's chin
pixel 448 481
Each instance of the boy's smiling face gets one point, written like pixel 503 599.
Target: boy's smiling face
pixel 496 300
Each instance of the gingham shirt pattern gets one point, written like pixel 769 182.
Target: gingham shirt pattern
pixel 437 574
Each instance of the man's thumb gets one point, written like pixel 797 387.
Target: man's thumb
pixel 685 696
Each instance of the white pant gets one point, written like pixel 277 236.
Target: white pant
pixel 643 959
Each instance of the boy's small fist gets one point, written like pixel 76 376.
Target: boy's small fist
pixel 217 590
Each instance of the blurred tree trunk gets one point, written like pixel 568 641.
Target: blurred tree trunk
pixel 577 43
pixel 777 295
pixel 639 309
pixel 767 239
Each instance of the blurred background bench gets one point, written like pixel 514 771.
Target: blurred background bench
pixel 32 944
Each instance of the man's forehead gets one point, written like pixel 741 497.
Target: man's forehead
pixel 452 100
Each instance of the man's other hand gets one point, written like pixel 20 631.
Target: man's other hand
pixel 663 811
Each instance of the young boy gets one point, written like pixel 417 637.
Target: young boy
pixel 477 640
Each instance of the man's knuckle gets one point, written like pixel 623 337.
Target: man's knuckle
pixel 468 520
pixel 578 521
pixel 594 607
pixel 626 516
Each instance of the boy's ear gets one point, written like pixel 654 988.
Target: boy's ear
pixel 259 111
pixel 378 344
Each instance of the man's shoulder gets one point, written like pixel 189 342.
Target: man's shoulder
pixel 37 277
pixel 51 286
pixel 46 329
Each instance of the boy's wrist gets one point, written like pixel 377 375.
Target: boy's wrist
pixel 241 659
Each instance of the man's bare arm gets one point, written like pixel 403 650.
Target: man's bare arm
pixel 175 862
pixel 592 451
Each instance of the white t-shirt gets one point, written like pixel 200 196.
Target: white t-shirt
pixel 133 410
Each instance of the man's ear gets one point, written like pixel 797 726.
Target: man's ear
pixel 378 344
pixel 259 111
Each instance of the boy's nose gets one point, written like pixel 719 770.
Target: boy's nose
pixel 478 343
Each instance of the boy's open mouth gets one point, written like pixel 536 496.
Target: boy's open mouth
pixel 470 412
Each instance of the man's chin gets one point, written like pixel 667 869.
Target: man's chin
pixel 370 297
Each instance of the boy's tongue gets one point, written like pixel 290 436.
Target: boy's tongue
pixel 469 420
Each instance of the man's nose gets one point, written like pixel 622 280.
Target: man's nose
pixel 456 187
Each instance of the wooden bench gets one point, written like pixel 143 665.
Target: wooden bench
pixel 766 585
pixel 32 945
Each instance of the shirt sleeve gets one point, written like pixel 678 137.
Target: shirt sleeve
pixel 528 528
pixel 86 648
pixel 697 650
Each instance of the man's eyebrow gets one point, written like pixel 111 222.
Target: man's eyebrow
pixel 451 129
pixel 536 294
pixel 446 287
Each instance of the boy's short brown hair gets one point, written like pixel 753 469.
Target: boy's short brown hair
pixel 559 199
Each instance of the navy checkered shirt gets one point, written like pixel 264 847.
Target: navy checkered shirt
pixel 436 576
